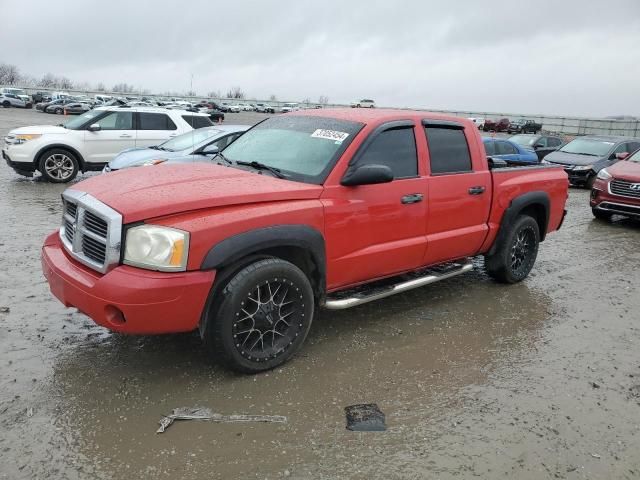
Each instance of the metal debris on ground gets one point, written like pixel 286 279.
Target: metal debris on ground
pixel 202 413
pixel 365 417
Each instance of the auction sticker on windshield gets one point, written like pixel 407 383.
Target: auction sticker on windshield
pixel 330 135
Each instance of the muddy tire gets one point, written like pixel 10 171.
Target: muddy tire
pixel 601 215
pixel 58 166
pixel 515 255
pixel 261 316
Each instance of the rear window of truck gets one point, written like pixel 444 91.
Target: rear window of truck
pixel 448 150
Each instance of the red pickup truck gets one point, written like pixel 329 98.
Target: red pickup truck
pixel 330 208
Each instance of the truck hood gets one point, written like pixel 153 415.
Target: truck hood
pixel 160 190
pixel 41 129
pixel 571 158
pixel 625 170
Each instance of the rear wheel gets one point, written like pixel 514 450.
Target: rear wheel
pixel 262 316
pixel 6 104
pixel 58 111
pixel 601 214
pixel 515 255
pixel 58 166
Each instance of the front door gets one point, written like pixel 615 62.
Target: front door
pixel 374 231
pixel 116 134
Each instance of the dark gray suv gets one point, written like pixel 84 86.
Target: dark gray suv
pixel 584 157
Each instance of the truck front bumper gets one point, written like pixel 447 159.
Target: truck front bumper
pixel 127 299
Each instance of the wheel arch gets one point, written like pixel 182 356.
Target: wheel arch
pixel 535 204
pixel 301 245
pixel 60 146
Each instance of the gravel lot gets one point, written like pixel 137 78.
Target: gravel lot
pixel 535 380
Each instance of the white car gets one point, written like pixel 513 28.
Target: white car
pixel 12 100
pixel 18 92
pixel 289 107
pixel 235 108
pixel 265 108
pixel 364 103
pixel 478 122
pixel 91 140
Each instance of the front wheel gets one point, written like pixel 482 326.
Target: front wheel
pixel 6 104
pixel 58 166
pixel 262 316
pixel 516 253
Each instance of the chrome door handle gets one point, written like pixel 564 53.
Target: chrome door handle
pixel 125 135
pixel 412 198
pixel 476 190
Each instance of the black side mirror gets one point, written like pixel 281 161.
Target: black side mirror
pixel 94 127
pixel 367 175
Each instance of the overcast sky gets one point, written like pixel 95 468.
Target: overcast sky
pixel 553 57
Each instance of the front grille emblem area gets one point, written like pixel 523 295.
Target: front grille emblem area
pixel 90 231
pixel 635 187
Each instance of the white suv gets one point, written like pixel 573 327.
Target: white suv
pixel 364 103
pixel 88 142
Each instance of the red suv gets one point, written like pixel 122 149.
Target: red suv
pixel 617 189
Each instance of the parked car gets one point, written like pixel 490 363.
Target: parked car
pixel 524 126
pixel 477 121
pixel 57 106
pixel 235 108
pixel 289 107
pixel 265 108
pixel 101 99
pixel 364 103
pixel 215 115
pixel 509 151
pixel 496 125
pixel 616 189
pixel 197 145
pixel 17 92
pixel 247 107
pixel 40 97
pixel 76 108
pixel 8 100
pixel 88 142
pixel 543 145
pixel 583 157
pixel 43 105
pixel 223 107
pixel 300 209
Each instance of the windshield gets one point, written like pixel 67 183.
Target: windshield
pixel 523 140
pixel 189 139
pixel 303 148
pixel 634 157
pixel 587 146
pixel 78 122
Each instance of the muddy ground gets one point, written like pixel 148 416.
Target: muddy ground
pixel 536 380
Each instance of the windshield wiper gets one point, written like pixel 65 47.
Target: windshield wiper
pixel 261 166
pixel 579 153
pixel 221 155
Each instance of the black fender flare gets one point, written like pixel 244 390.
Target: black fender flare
pixel 516 206
pixel 36 158
pixel 232 249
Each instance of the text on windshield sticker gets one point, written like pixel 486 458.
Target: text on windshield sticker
pixel 330 135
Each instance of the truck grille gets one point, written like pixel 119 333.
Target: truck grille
pixel 623 188
pixel 91 231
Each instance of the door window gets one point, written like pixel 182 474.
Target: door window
pixel 553 142
pixel 395 148
pixel 448 150
pixel 543 142
pixel 490 148
pixel 197 121
pixel 155 121
pixel 116 121
pixel 505 148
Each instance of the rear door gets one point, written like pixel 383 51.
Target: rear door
pixel 154 128
pixel 116 134
pixel 378 230
pixel 459 187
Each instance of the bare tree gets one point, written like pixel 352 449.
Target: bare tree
pixel 235 92
pixel 123 88
pixel 100 87
pixel 323 99
pixel 9 74
pixel 214 94
pixel 48 80
pixel 65 83
pixel 273 98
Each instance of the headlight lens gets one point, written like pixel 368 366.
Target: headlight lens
pixel 19 139
pixel 155 161
pixel 582 168
pixel 604 175
pixel 157 248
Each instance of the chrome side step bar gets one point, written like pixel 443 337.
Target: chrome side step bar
pixel 432 275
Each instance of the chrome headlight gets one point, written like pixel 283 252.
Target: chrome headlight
pixel 582 168
pixel 604 175
pixel 19 139
pixel 157 248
